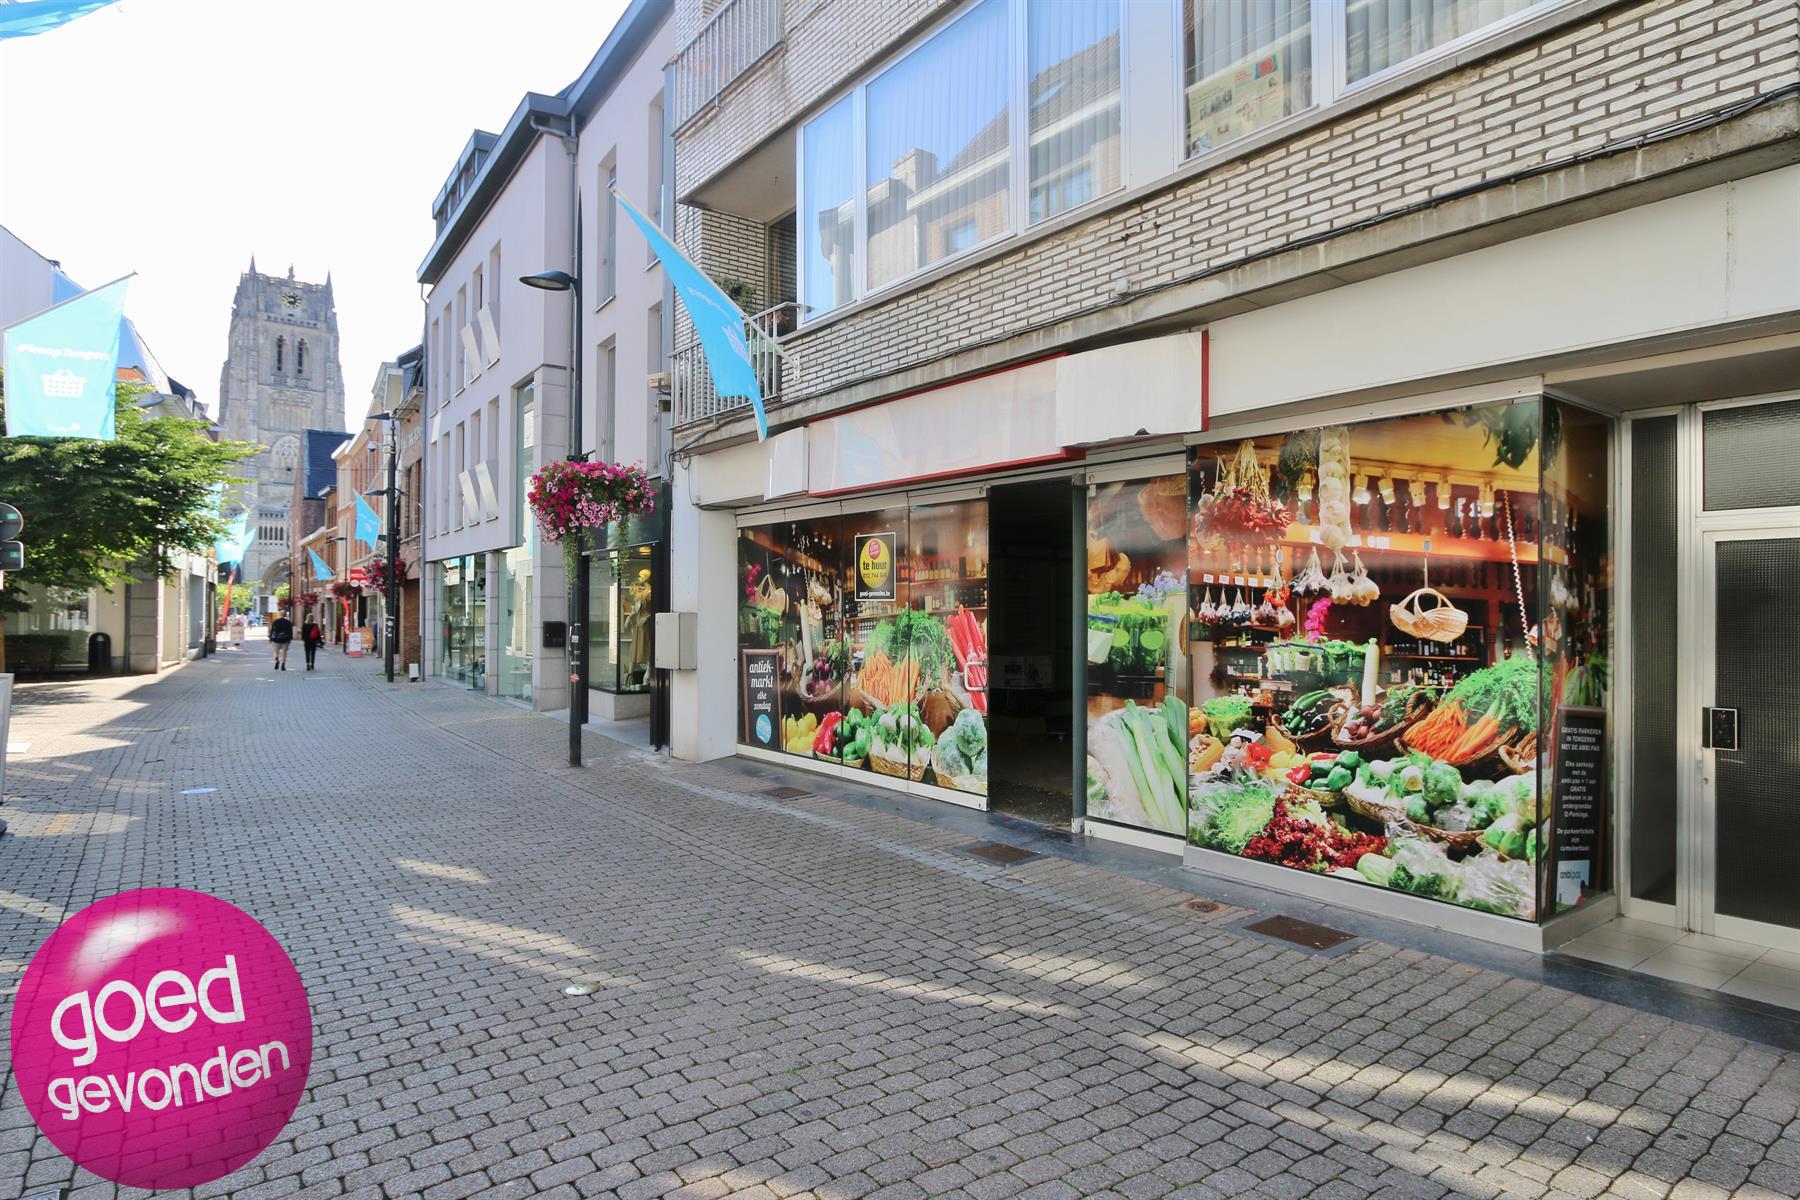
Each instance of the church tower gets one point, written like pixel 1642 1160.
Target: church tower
pixel 280 379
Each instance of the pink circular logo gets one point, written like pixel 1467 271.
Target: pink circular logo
pixel 161 1038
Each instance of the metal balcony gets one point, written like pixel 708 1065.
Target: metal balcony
pixel 693 396
pixel 729 44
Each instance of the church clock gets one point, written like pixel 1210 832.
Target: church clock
pixel 291 299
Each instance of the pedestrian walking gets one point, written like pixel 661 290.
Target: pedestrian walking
pixel 237 630
pixel 311 634
pixel 281 634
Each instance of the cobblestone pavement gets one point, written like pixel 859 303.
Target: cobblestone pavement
pixel 805 997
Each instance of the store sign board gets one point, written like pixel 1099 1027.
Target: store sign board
pixel 989 423
pixel 762 697
pixel 1580 812
pixel 876 573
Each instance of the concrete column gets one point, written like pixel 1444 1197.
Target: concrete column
pixel 703 579
pixel 550 584
pixel 143 626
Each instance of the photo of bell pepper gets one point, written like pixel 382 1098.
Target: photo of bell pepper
pixel 822 743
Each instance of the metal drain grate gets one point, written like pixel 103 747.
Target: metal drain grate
pixel 786 793
pixel 1301 933
pixel 999 852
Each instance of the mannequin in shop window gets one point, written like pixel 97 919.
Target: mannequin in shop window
pixel 634 632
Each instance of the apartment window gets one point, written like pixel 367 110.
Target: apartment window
pixel 459 459
pixel 609 231
pixel 939 150
pixel 1245 64
pixel 494 300
pixel 1012 113
pixel 1379 34
pixel 1073 77
pixel 464 368
pixel 653 193
pixel 606 396
pixel 476 292
pixel 828 216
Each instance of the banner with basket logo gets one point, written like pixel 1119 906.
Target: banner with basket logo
pixel 61 366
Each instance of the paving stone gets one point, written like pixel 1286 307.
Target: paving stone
pixel 810 997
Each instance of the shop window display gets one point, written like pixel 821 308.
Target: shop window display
pixel 1393 627
pixel 862 642
pixel 1138 723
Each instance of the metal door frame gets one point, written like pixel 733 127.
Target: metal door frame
pixel 1695 847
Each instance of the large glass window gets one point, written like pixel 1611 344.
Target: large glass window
pixel 1383 33
pixel 517 626
pixel 939 150
pixel 828 226
pixel 1074 92
pixel 1398 638
pixel 462 619
pixel 619 617
pixel 515 623
pixel 1245 64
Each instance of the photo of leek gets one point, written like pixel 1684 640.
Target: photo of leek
pixel 1137 766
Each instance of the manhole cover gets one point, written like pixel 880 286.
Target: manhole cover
pixel 1300 933
pixel 999 852
pixel 1201 906
pixel 786 793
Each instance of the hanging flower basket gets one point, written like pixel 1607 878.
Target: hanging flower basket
pixel 375 574
pixel 343 589
pixel 308 599
pixel 572 499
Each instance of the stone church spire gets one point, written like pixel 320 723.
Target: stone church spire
pixel 280 378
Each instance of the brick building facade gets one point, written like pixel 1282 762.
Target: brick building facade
pixel 1048 251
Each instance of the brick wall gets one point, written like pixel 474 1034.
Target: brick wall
pixel 1629 71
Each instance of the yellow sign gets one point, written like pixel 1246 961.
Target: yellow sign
pixel 875 566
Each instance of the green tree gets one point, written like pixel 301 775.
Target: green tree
pixel 282 592
pixel 99 513
pixel 242 597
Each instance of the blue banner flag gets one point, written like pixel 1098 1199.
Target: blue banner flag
pixel 368 525
pixel 235 542
pixel 718 321
pixel 320 570
pixel 62 366
pixel 22 18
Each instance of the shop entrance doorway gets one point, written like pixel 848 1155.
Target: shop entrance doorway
pixel 1711 694
pixel 1031 675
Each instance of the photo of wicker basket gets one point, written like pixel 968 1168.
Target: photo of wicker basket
pixel 898 768
pixel 1438 621
pixel 1321 737
pixel 1417 705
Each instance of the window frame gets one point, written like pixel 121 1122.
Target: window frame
pixel 1331 93
pixel 1018 165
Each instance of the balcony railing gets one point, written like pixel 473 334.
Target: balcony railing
pixel 729 44
pixel 691 382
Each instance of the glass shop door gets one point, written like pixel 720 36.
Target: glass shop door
pixel 1749 787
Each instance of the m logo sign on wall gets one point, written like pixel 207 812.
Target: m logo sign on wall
pixel 62 365
pixel 161 1038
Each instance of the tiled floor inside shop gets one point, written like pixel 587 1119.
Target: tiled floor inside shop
pixel 1717 964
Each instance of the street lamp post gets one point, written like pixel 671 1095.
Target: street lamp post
pixel 562 281
pixel 390 599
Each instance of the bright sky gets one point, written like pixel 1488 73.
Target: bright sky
pixel 176 138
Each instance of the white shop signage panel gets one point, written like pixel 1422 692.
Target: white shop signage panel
pixel 1136 389
pixel 980 424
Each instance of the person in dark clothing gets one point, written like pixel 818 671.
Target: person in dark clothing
pixel 281 635
pixel 311 634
